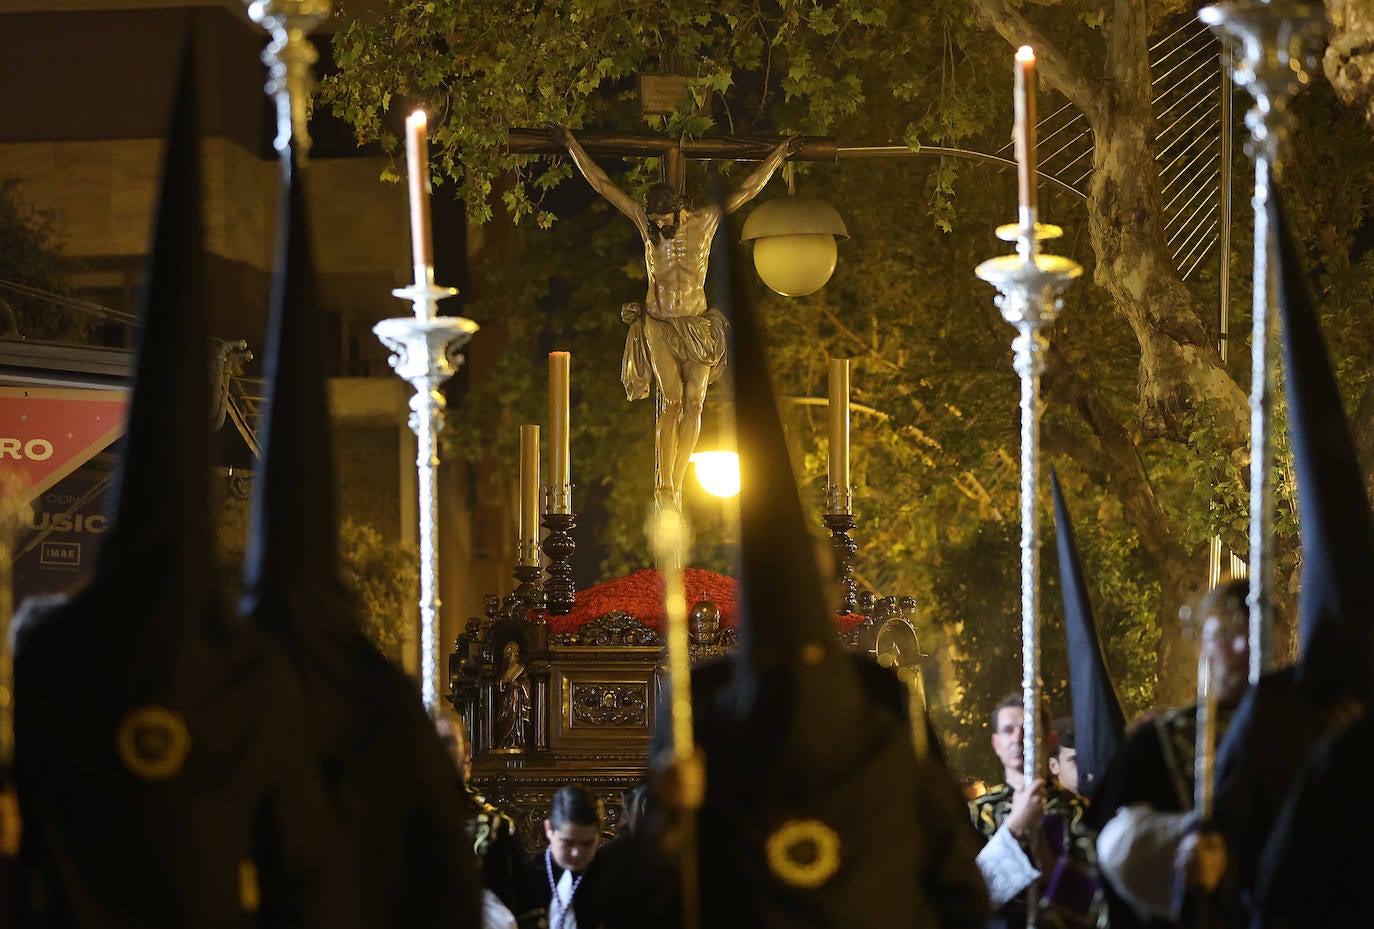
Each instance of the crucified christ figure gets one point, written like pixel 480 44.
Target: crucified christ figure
pixel 675 333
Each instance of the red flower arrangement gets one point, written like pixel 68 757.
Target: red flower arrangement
pixel 640 595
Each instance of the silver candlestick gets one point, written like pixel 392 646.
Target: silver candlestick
pixel 1031 286
pixel 425 352
pixel 1273 47
pixel 289 58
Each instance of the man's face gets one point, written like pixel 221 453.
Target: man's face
pixel 573 845
pixel 1007 737
pixel 459 749
pixel 1227 647
pixel 1064 766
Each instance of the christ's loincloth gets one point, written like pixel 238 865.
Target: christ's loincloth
pixel 696 339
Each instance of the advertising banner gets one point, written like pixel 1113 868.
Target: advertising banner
pixel 46 433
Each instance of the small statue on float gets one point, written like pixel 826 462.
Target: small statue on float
pixel 675 334
pixel 513 711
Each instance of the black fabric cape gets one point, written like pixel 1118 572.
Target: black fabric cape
pixel 160 744
pixel 1315 869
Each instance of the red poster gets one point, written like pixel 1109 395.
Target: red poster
pixel 46 433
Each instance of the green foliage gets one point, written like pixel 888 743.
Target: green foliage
pixel 31 257
pixel 385 578
pixel 936 470
pixel 482 67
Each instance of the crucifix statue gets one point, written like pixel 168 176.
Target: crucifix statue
pixel 675 333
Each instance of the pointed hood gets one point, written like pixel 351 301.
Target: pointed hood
pixel 295 531
pixel 162 528
pixel 787 624
pixel 159 747
pixel 793 727
pixel 1336 530
pixel 293 582
pixel 1097 717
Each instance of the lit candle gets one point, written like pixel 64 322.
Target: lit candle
pixel 1025 133
pixel 417 170
pixel 839 433
pixel 560 473
pixel 529 494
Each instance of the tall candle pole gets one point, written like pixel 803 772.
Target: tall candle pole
pixel 1031 287
pixel 425 352
pixel 1273 51
pixel 290 58
pixel 839 496
pixel 527 545
pixel 559 545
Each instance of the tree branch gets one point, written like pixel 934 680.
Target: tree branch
pixel 1116 463
pixel 1058 71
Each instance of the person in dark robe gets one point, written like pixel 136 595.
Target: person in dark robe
pixel 386 772
pixel 1315 869
pixel 1141 810
pixel 816 809
pixel 161 765
pixel 565 886
pixel 1034 834
pixel 1288 712
pixel 490 830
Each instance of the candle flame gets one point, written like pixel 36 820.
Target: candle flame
pixel 1025 53
pixel 418 118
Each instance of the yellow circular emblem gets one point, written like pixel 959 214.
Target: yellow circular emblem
pixel 153 742
pixel 804 852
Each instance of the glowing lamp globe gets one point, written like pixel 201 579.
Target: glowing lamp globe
pixel 717 472
pixel 794 243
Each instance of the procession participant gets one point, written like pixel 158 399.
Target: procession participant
pixel 1063 758
pixel 1142 805
pixel 564 887
pixel 489 830
pixel 676 333
pixel 795 734
pixel 385 771
pixel 1331 682
pixel 161 765
pixel 1034 834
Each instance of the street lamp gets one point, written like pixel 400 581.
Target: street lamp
pixel 717 472
pixel 794 241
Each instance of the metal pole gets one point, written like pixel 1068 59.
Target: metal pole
pixel 1031 287
pixel 290 58
pixel 1272 44
pixel 425 352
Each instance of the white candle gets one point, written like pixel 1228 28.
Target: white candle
pixel 417 170
pixel 561 474
pixel 529 490
pixel 1025 132
pixel 839 433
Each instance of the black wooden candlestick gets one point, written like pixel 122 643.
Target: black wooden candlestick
pixel 529 590
pixel 845 548
pixel 559 546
